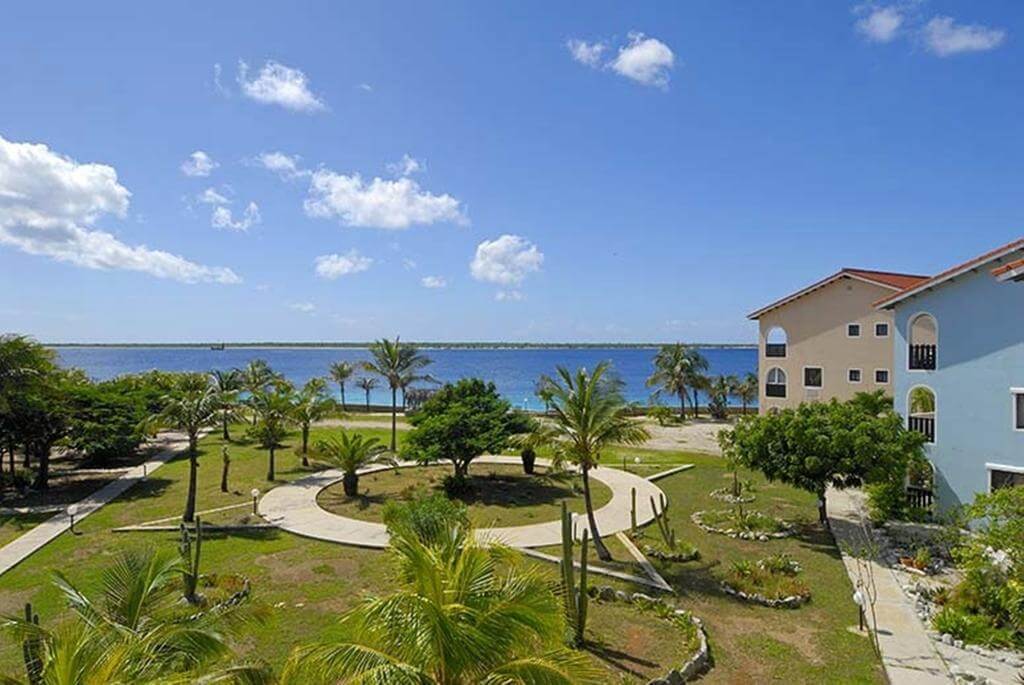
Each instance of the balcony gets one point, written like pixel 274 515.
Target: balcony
pixel 925 425
pixel 922 357
pixel 775 350
pixel 775 390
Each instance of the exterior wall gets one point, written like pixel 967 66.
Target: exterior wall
pixel 815 327
pixel 979 357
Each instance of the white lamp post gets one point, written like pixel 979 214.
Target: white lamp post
pixel 858 599
pixel 255 498
pixel 72 510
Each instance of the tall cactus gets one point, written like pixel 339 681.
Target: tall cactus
pixel 583 598
pixel 668 534
pixel 576 599
pixel 632 511
pixel 31 650
pixel 190 556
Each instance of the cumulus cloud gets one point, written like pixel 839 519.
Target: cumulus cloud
pixel 944 37
pixel 880 24
pixel 280 163
pixel 586 53
pixel 406 166
pixel 506 261
pixel 433 282
pixel 645 60
pixel 277 84
pixel 49 205
pixel 211 196
pixel 198 164
pixel 304 307
pixel 223 217
pixel 379 203
pixel 332 266
pixel 508 296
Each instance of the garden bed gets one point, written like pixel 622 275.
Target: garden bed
pixel 751 525
pixel 771 582
pixel 726 495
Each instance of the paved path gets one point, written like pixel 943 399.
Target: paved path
pixel 21 547
pixel 293 507
pixel 908 654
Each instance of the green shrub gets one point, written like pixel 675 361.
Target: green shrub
pixel 773 577
pixel 973 629
pixel 428 517
pixel 661 414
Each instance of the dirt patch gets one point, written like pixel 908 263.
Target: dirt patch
pixel 283 566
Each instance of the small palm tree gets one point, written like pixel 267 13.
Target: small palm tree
pixel 340 373
pixel 747 390
pixel 193 406
pixel 311 404
pixel 400 365
pixel 351 452
pixel 678 367
pixel 228 384
pixel 255 379
pixel 462 613
pixel 367 383
pixel 589 415
pixel 273 410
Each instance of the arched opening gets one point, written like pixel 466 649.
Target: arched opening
pixel 775 383
pixel 920 485
pixel 923 335
pixel 775 342
pixel 921 407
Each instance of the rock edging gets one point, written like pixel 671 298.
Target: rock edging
pixel 725 495
pixel 791 602
pixel 696 517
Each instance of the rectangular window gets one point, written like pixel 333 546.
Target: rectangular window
pixel 853 375
pixel 1018 408
pixel 882 330
pixel 881 376
pixel 812 377
pixel 853 330
pixel 1000 478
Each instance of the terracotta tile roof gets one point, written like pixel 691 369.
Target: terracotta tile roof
pixel 953 272
pixel 1013 270
pixel 886 279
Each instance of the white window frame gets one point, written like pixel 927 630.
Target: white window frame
pixel 888 377
pixel 803 378
pixel 1016 395
pixel 860 373
pixel 860 329
pixel 989 468
pixel 888 329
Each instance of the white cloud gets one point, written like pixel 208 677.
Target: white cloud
pixel 408 264
pixel 222 217
pixel 380 203
pixel 406 166
pixel 50 203
pixel 332 266
pixel 586 53
pixel 280 163
pixel 508 296
pixel 276 84
pixel 645 60
pixel 506 260
pixel 944 37
pixel 366 87
pixel 433 282
pixel 304 307
pixel 881 24
pixel 211 196
pixel 198 164
pixel 217 84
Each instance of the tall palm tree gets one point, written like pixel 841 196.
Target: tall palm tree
pixel 747 390
pixel 228 384
pixel 400 364
pixel 193 406
pixel 311 404
pixel 367 383
pixel 340 373
pixel 351 452
pixel 678 367
pixel 461 614
pixel 273 408
pixel 589 414
pixel 256 377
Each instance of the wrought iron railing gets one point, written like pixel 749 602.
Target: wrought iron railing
pixel 922 357
pixel 925 425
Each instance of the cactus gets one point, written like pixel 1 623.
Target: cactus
pixel 576 599
pixel 31 648
pixel 190 556
pixel 632 511
pixel 668 534
pixel 583 598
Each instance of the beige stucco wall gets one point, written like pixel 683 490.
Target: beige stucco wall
pixel 816 332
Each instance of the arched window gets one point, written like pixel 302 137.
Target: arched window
pixel 923 336
pixel 921 406
pixel 775 383
pixel 775 343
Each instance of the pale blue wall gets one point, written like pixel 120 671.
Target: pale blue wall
pixel 980 357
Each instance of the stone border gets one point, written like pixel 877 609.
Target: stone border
pixel 743 535
pixel 791 602
pixel 725 495
pixel 697 663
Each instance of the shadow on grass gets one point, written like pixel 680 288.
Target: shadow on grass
pixel 816 538
pixel 692 577
pixel 619 660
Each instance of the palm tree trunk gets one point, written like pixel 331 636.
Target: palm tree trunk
pixel 193 466
pixel 367 401
pixel 394 415
pixel 224 477
pixel 696 404
pixel 224 426
pixel 343 406
pixel 682 405
pixel 270 466
pixel 602 551
pixel 305 445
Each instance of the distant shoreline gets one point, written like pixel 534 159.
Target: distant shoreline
pixel 424 345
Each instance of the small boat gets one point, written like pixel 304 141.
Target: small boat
pixel 219 347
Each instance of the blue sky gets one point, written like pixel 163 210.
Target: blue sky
pixel 628 172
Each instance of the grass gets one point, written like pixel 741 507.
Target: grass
pixel 498 495
pixel 13 526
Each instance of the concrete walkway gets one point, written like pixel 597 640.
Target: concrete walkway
pixel 293 507
pixel 19 549
pixel 908 654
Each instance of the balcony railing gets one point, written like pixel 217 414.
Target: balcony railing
pixel 775 390
pixel 922 357
pixel 925 425
pixel 775 350
pixel 920 498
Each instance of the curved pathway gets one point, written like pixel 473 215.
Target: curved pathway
pixel 293 507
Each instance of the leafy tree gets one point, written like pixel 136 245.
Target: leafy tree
pixel 747 390
pixel 822 444
pixel 193 406
pixel 367 384
pixel 104 418
pixel 340 373
pixel 460 422
pixel 22 360
pixel 400 364
pixel 590 414
pixel 273 409
pixel 229 385
pixel 678 367
pixel 351 452
pixel 461 613
pixel 312 403
pixel 40 416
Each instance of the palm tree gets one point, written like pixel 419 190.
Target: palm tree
pixel 747 390
pixel 256 377
pixel 311 405
pixel 399 364
pixel 341 372
pixel 462 613
pixel 273 408
pixel 195 405
pixel 589 415
pixel 676 368
pixel 351 452
pixel 228 384
pixel 367 383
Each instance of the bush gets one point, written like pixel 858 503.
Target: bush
pixel 772 577
pixel 971 628
pixel 661 414
pixel 887 501
pixel 429 518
